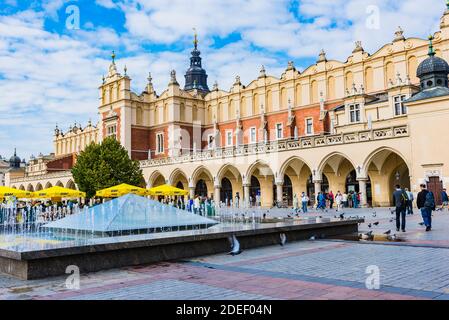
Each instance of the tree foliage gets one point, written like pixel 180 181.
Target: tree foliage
pixel 105 165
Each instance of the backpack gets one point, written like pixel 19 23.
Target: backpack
pixel 404 199
pixel 430 201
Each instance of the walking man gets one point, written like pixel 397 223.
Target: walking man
pixel 409 201
pixel 426 203
pixel 400 202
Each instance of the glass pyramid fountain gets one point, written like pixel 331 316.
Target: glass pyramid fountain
pixel 130 214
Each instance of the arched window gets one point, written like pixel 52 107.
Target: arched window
pixel 255 104
pixel 182 112
pixel 118 91
pixel 269 101
pixel 165 113
pixel 369 79
pixel 389 72
pixel 231 114
pixel 349 80
pixel 331 88
pixel 139 116
pixel 412 66
pixel 195 113
pixel 220 112
pixel 243 111
pixel 314 92
pixel 284 99
pixel 209 114
pixel 298 94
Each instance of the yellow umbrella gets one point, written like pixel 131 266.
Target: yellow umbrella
pixel 121 190
pixel 167 190
pixel 58 193
pixel 6 192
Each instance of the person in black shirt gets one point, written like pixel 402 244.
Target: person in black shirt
pixel 425 206
pixel 400 202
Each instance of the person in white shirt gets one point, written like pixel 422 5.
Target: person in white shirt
pixel 305 202
pixel 339 200
pixel 345 200
pixel 295 203
pixel 196 205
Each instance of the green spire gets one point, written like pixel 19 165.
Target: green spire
pixel 431 51
pixel 195 41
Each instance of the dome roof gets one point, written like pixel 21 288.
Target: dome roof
pixel 432 64
pixel 15 161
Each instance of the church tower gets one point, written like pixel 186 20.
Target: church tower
pixel 196 77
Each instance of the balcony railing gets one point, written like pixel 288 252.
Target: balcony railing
pixel 283 145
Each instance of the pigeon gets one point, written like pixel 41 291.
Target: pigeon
pixel 370 225
pixel 312 238
pixel 388 232
pixel 439 209
pixel 366 236
pixel 392 238
pixel 392 211
pixel 283 239
pixel 374 214
pixel 235 246
pixel 376 223
pixel 421 223
pixel 342 216
pixel 391 220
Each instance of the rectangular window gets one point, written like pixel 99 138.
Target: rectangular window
pixel 399 107
pixel 111 131
pixel 228 138
pixel 252 135
pixel 309 126
pixel 279 131
pixel 354 113
pixel 159 143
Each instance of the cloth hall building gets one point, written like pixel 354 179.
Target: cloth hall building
pixel 364 124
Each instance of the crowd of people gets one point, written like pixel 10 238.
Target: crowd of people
pixel 327 200
pixel 13 211
pixel 199 204
pixel 425 202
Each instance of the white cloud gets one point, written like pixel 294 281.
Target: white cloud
pixel 46 77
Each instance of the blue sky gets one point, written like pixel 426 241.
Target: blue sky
pixel 50 72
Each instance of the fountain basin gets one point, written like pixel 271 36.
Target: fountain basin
pixel 99 253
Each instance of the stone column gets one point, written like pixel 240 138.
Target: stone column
pixel 192 192
pixel 217 196
pixel 246 195
pixel 363 196
pixel 317 189
pixel 279 192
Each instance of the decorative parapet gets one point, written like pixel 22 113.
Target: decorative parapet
pixel 283 145
pixel 47 176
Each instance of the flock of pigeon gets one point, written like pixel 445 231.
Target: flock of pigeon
pixel 369 236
